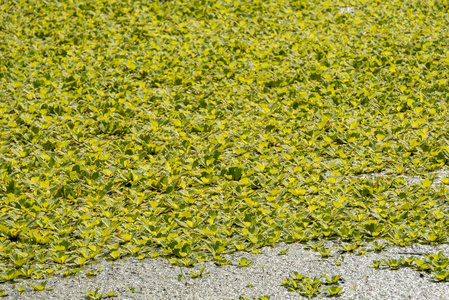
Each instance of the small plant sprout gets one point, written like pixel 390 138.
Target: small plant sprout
pixel 351 247
pixel 181 276
pixel 249 285
pixel 378 247
pixel 244 262
pixel 197 274
pixel 38 287
pixel 298 277
pixel 93 295
pixel 376 264
pixel 310 291
pixel 441 276
pixel 183 262
pixel 422 265
pixel 68 272
pixel 361 251
pixel 338 262
pixel 92 272
pixel 283 252
pixel 393 263
pixel 312 287
pixel 334 290
pixel 408 262
pixel 324 252
pixel 315 246
pixel 220 262
pixel 332 280
pixel 258 298
pixel 2 293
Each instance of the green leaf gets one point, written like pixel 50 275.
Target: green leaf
pixel 38 287
pixel 334 290
pixel 244 262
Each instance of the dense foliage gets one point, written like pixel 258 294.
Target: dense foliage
pixel 191 129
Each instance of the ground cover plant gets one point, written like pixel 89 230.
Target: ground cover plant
pixel 435 264
pixel 314 287
pixel 193 129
